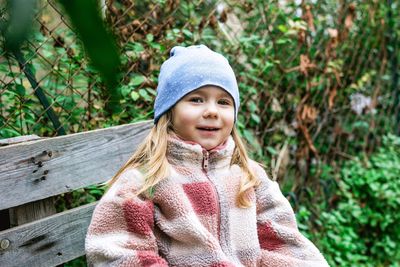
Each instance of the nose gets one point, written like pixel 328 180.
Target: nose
pixel 211 111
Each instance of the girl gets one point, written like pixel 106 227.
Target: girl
pixel 190 196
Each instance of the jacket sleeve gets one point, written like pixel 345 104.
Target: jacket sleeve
pixel 121 232
pixel 280 240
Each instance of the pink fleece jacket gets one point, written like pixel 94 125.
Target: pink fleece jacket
pixel 192 219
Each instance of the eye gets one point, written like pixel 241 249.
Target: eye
pixel 196 99
pixel 225 102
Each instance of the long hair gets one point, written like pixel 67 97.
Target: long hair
pixel 151 159
pixel 150 156
pixel 248 180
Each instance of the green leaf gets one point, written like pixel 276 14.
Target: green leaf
pixel 282 28
pixel 151 191
pixel 283 41
pixel 249 136
pixel 134 95
pixel 143 93
pixel 20 90
pixel 137 47
pixel 272 150
pixel 7 133
pixel 151 91
pixel 150 37
pixel 252 106
pixel 4 68
pixel 125 90
pixel 187 33
pixel 137 80
pixel 255 118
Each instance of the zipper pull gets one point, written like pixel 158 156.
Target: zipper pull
pixel 205 160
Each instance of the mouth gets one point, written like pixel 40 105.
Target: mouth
pixel 209 129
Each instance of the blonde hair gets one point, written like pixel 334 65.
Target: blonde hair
pixel 150 158
pixel 248 180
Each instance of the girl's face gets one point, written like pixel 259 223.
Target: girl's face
pixel 205 116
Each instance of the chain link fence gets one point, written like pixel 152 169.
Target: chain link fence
pixel 317 78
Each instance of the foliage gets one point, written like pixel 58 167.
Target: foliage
pixel 99 45
pixel 20 15
pixel 298 66
pixel 360 228
pixel 79 197
pixel 85 16
pixel 78 262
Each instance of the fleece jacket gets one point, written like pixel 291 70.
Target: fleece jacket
pixel 192 219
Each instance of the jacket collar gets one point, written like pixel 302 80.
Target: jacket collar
pixel 190 154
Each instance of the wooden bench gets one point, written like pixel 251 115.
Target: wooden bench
pixel 35 170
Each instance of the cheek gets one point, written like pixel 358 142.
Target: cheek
pixel 229 129
pixel 229 119
pixel 183 118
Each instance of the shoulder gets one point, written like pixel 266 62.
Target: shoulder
pixel 266 184
pixel 131 176
pixel 126 185
pixel 268 192
pixel 258 170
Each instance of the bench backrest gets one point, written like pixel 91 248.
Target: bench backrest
pixel 32 172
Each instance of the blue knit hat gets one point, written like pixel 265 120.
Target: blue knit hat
pixel 188 69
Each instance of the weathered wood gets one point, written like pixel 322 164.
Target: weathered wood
pixel 32 211
pixel 47 242
pixel 40 169
pixel 18 139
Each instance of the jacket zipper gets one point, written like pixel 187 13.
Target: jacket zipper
pixel 206 156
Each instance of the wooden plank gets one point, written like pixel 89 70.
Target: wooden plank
pixel 9 218
pixel 18 139
pixel 40 169
pixel 32 211
pixel 47 242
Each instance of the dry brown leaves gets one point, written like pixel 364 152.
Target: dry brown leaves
pixel 331 99
pixel 305 64
pixel 308 114
pixel 308 17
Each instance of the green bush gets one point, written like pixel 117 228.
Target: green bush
pixel 362 226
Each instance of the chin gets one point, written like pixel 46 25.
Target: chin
pixel 209 147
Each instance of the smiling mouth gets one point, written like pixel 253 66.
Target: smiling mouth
pixel 208 129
